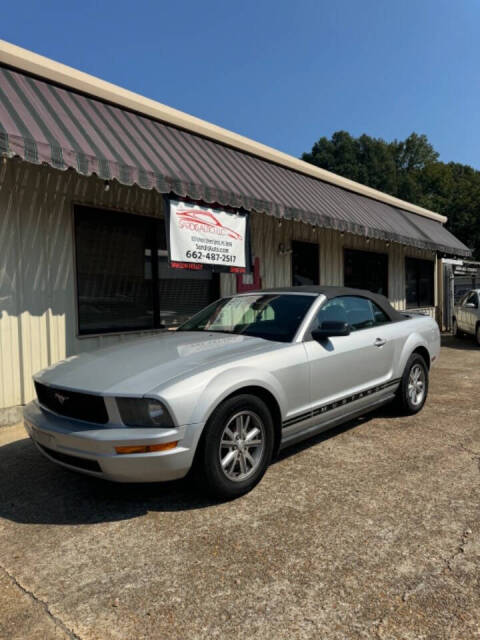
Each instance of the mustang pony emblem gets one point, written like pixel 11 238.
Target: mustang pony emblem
pixel 61 398
pixel 198 220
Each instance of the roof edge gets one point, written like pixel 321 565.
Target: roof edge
pixel 44 67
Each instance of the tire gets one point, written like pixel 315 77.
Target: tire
pixel 413 390
pixel 477 334
pixel 234 421
pixel 456 331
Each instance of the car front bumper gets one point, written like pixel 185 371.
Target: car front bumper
pixel 90 448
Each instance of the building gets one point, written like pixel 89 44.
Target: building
pixel 85 168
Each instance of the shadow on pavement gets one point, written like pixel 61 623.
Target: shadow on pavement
pixel 34 490
pixel 466 343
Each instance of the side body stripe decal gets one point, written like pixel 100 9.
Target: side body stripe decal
pixel 339 403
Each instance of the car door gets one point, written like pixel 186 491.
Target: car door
pixel 459 312
pixel 350 368
pixel 469 312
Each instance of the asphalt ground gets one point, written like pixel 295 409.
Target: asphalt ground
pixel 369 531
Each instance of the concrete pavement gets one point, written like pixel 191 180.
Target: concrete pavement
pixel 369 531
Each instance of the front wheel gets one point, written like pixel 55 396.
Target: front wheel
pixel 477 334
pixel 413 389
pixel 237 446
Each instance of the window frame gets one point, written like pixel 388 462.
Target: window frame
pixel 364 252
pixel 156 251
pixel 419 261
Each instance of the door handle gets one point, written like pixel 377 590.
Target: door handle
pixel 379 342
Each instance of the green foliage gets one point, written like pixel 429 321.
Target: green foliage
pixel 409 170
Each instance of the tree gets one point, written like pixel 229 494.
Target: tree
pixel 408 169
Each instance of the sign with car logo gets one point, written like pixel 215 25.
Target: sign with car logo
pixel 203 237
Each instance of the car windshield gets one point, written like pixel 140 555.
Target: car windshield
pixel 269 316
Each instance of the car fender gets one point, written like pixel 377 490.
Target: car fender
pixel 208 389
pixel 225 384
pixel 414 341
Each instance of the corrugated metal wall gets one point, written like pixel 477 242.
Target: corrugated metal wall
pixel 268 234
pixel 37 287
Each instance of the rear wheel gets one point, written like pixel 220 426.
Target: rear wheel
pixel 456 331
pixel 237 446
pixel 477 334
pixel 413 389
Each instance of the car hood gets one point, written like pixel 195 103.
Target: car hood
pixel 138 366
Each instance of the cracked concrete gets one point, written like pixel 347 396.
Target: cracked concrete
pixel 57 629
pixel 370 531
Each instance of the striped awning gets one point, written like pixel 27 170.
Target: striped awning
pixel 44 123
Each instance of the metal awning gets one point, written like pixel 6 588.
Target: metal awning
pixel 44 123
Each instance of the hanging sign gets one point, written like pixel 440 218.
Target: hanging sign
pixel 206 238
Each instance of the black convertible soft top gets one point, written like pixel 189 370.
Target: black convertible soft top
pixel 334 292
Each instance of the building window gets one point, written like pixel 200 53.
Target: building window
pixel 419 281
pixel 366 270
pixel 305 263
pixel 120 286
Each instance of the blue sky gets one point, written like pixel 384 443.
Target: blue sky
pixel 281 72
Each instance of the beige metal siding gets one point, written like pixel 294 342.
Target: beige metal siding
pixel 268 234
pixel 37 291
pixel 38 324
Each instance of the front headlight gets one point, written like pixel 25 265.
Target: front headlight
pixel 144 412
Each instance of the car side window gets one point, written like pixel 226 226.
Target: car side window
pixel 472 299
pixel 358 313
pixel 379 315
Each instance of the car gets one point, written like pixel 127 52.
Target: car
pixel 466 315
pixel 245 377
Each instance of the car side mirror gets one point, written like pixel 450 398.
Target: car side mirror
pixel 330 329
pixel 471 305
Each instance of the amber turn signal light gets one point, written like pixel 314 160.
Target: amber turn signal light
pixel 146 448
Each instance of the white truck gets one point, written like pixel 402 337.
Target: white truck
pixel 466 315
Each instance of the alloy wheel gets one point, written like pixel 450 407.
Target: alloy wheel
pixel 241 445
pixel 416 385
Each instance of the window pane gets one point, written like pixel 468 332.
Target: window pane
pixel 411 283
pixel 305 264
pixel 356 311
pixel 472 299
pixel 366 270
pixel 270 316
pixel 114 277
pixel 379 316
pixel 333 311
pixel 425 283
pixel 182 293
pixel 419 283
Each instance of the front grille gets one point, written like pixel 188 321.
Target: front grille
pixel 73 461
pixel 81 406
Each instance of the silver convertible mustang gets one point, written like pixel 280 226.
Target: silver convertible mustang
pixel 246 376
